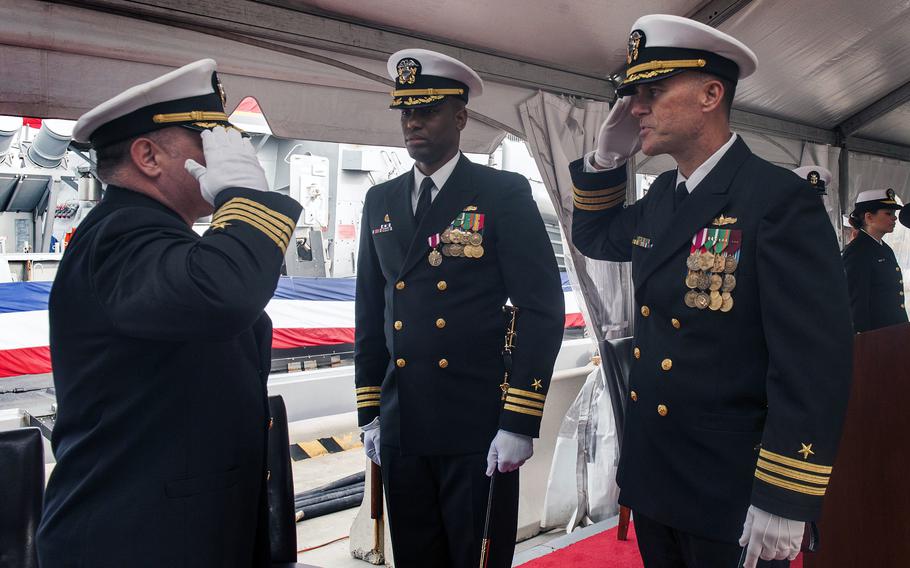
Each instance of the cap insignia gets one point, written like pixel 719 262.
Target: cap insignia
pixel 890 193
pixel 219 88
pixel 636 42
pixel 813 177
pixel 408 69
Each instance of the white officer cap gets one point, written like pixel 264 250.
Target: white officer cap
pixel 875 199
pixel 190 96
pixel 661 46
pixel 817 176
pixel 425 78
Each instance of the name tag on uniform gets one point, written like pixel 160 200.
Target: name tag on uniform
pixel 643 242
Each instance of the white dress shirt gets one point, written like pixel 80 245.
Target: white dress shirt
pixel 439 178
pixel 703 170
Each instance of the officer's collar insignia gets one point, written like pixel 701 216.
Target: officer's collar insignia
pixel 813 177
pixel 636 42
pixel 386 218
pixel 723 220
pixel 408 70
pixel 890 193
pixel 471 208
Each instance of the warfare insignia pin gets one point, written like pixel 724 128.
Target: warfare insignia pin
pixel 471 208
pixel 408 70
pixel 722 220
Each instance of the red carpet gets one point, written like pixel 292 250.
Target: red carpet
pixel 602 551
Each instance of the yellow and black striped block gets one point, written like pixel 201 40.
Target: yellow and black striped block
pixel 792 474
pixel 599 199
pixel 524 402
pixel 276 226
pixel 323 446
pixel 368 396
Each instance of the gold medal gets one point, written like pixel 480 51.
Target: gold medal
pixel 727 299
pixel 706 261
pixel 692 280
pixel 446 236
pixel 690 298
pixel 457 250
pixel 716 301
pixel 730 264
pixel 719 263
pixel 478 251
pixel 469 251
pixel 716 282
pixel 692 261
pixel 704 281
pixel 702 301
pixel 729 283
pixel 435 258
pixel 475 239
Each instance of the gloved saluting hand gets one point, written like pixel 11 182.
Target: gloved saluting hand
pixel 508 452
pixel 618 139
pixel 230 162
pixel 371 440
pixel 770 537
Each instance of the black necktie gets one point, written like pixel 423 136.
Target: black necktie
pixel 680 194
pixel 423 199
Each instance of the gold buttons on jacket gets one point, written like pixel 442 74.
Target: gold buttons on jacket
pixel 645 311
pixel 271 423
pixel 675 323
pixel 268 474
pixel 401 363
pixel 662 409
pixel 399 285
pixel 440 323
pixel 398 325
pixel 637 353
pixel 666 364
pixel 634 396
pixel 441 285
pixel 443 363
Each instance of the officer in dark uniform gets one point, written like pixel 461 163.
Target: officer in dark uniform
pixel 159 342
pixel 743 342
pixel 442 248
pixel 874 278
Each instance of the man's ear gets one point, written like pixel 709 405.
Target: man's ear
pixel 712 95
pixel 144 154
pixel 461 117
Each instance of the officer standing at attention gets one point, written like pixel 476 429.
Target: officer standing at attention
pixel 874 278
pixel 159 342
pixel 743 342
pixel 442 248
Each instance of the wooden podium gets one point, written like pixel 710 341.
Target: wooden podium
pixel 866 517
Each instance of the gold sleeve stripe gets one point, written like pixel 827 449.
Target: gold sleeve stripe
pixel 523 410
pixel 781 470
pixel 280 227
pixel 369 389
pixel 621 188
pixel 527 394
pixel 584 207
pixel 528 403
pixel 600 200
pixel 805 466
pixel 797 487
pixel 372 396
pixel 253 218
pixel 290 223
pixel 265 230
pixel 367 404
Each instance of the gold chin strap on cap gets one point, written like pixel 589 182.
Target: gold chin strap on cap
pixel 192 116
pixel 429 92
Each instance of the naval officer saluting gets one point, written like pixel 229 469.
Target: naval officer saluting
pixel 442 248
pixel 159 341
pixel 742 356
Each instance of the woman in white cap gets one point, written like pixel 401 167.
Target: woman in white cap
pixel 874 278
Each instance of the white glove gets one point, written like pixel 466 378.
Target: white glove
pixel 509 451
pixel 618 139
pixel 371 440
pixel 770 537
pixel 230 162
